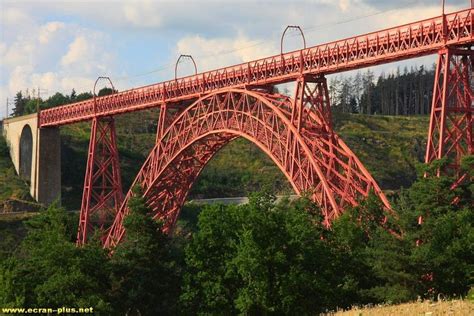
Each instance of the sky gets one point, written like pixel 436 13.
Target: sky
pixel 61 45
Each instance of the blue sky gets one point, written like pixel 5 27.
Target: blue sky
pixel 60 45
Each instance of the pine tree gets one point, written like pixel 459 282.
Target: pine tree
pixel 20 104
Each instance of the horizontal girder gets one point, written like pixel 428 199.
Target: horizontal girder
pixel 397 43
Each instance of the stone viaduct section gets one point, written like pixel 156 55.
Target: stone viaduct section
pixel 36 155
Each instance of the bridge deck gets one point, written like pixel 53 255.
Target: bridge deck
pixel 397 43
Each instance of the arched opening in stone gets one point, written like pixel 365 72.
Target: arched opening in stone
pixel 26 153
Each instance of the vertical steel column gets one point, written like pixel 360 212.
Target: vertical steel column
pixel 450 133
pixel 102 194
pixel 344 175
pixel 161 121
pixel 311 94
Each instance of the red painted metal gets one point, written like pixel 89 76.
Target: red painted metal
pixel 450 133
pixel 203 112
pixel 295 134
pixel 102 195
pixel 397 43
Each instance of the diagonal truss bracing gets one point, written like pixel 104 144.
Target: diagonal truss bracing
pixel 295 134
pixel 397 43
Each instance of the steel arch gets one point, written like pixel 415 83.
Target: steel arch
pixel 267 120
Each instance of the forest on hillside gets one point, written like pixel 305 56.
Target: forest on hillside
pixel 406 92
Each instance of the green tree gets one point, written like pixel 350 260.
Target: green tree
pixel 284 265
pixel 20 103
pixel 208 288
pixel 144 271
pixel 73 95
pixel 259 258
pixel 31 105
pixel 106 91
pixel 56 99
pixel 367 248
pixel 433 257
pixel 424 260
pixel 49 270
pixel 83 96
pixel 444 257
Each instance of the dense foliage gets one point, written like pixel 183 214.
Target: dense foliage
pixel 144 273
pixel 258 259
pixel 262 258
pixel 48 270
pixel 255 259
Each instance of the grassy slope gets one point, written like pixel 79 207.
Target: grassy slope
pixel 389 147
pixel 11 186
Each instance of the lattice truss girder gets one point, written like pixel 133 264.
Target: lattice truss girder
pixel 102 195
pixel 398 43
pixel 296 134
pixel 450 133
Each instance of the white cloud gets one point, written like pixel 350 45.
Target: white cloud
pixel 407 15
pixel 19 52
pixel 48 30
pixel 47 80
pixel 221 52
pixel 54 55
pixel 77 50
pixel 142 13
pixel 344 4
pixel 18 77
pixel 14 16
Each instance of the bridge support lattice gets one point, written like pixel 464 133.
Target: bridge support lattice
pixel 450 133
pixel 102 195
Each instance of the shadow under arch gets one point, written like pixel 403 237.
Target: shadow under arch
pixel 26 153
pixel 237 170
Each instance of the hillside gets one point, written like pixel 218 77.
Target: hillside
pixel 389 146
pixel 12 186
pixel 14 191
pixel 13 194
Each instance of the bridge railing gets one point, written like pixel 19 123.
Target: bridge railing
pixel 397 43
